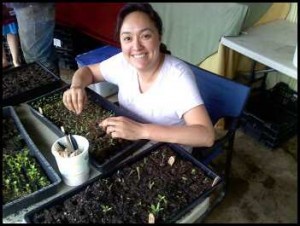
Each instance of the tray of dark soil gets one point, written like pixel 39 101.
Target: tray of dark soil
pixel 27 177
pixel 161 184
pixel 29 81
pixel 104 150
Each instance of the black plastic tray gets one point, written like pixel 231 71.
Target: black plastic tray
pixel 114 160
pixel 178 151
pixel 270 116
pixel 45 192
pixel 24 94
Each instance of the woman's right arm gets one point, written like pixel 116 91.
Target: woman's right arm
pixel 75 98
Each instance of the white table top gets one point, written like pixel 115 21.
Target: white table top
pixel 272 44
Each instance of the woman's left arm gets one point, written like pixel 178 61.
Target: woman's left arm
pixel 198 131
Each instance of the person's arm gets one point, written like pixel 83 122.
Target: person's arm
pixel 87 75
pixel 198 131
pixel 75 98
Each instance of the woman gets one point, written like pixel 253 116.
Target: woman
pixel 156 86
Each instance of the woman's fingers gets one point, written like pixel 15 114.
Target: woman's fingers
pixel 74 99
pixel 78 101
pixel 67 101
pixel 121 127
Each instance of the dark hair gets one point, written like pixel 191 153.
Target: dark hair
pixel 147 9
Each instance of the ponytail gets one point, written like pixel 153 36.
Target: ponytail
pixel 163 49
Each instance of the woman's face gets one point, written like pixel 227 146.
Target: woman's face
pixel 140 41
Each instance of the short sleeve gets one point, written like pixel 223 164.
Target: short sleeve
pixel 112 68
pixel 187 93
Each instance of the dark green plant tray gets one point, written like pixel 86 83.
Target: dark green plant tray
pixel 108 162
pixel 43 193
pixel 204 181
pixel 41 81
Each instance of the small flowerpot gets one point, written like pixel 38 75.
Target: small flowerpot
pixel 74 170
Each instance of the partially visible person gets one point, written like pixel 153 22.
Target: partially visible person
pixel 159 88
pixel 36 31
pixel 10 32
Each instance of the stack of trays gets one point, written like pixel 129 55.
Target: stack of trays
pixel 270 116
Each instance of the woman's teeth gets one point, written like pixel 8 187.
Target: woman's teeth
pixel 139 56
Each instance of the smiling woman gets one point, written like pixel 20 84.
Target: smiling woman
pixel 140 46
pixel 154 85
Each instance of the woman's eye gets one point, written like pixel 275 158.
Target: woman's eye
pixel 146 36
pixel 126 39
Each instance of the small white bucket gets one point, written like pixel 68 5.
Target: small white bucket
pixel 74 170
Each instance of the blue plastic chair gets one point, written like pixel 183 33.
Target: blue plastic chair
pixel 96 55
pixel 224 99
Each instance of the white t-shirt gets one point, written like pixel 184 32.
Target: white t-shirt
pixel 173 93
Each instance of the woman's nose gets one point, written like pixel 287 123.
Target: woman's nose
pixel 137 44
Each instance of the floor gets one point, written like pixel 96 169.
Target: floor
pixel 263 184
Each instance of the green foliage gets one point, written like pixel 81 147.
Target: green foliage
pixel 85 124
pixel 105 208
pixel 156 208
pixel 22 175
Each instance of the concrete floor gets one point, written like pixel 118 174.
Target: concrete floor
pixel 263 183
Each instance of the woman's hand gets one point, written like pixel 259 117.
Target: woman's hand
pixel 123 127
pixel 74 99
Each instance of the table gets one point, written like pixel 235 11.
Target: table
pixel 272 44
pixel 43 137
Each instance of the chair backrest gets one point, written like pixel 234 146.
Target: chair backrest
pixel 222 97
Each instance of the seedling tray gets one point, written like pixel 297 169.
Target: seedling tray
pixel 55 115
pixel 29 81
pixel 24 142
pixel 144 184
